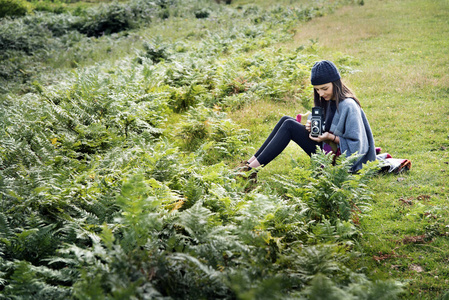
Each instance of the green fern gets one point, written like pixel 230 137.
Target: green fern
pixel 333 191
pixel 114 183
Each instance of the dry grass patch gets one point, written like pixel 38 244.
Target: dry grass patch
pixel 342 28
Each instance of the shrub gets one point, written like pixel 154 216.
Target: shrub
pixel 183 97
pixel 332 192
pixel 14 8
pixel 107 19
pixel 155 50
pixel 164 3
pixel 195 128
pixel 225 1
pixel 202 13
pixel 57 8
pixel 24 35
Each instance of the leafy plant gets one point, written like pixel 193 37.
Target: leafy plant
pixel 106 20
pixel 115 183
pixel 155 50
pixel 333 192
pixel 202 13
pixel 14 8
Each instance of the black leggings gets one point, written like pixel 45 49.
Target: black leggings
pixel 286 130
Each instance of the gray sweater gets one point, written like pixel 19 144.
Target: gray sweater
pixel 351 126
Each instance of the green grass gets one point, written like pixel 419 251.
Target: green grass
pixel 399 53
pixel 394 54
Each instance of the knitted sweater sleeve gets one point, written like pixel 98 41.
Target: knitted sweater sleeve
pixel 351 126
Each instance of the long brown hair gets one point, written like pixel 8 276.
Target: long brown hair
pixel 340 93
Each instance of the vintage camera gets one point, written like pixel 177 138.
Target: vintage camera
pixel 316 125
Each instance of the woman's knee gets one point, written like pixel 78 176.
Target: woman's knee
pixel 292 123
pixel 297 130
pixel 285 118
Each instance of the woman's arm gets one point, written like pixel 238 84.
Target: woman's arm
pixel 326 137
pixel 330 139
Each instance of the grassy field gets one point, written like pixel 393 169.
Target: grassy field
pixel 119 139
pixel 399 57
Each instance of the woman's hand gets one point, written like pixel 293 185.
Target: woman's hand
pixel 308 126
pixel 329 137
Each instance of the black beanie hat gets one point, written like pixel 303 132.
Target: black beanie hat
pixel 324 72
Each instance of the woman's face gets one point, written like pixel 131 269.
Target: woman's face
pixel 326 91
